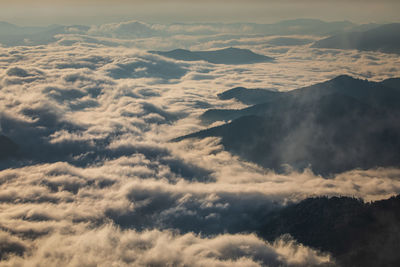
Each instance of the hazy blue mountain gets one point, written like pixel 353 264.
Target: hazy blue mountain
pixel 285 27
pixel 307 26
pixel 385 38
pixel 356 233
pixel 289 41
pixel 7 147
pixel 5 26
pixel 9 29
pixel 363 27
pixel 223 56
pixel 128 30
pixel 334 126
pixel 12 35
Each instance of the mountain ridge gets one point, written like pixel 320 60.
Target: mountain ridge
pixel 326 127
pixel 229 55
pixel 384 38
pixel 355 232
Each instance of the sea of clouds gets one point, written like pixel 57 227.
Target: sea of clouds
pixel 98 182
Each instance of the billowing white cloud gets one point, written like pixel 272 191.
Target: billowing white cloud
pixel 109 245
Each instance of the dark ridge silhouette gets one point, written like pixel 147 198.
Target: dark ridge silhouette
pixel 248 96
pixel 334 126
pixel 161 69
pixel 374 93
pixel 223 56
pixel 7 147
pixel 356 233
pixel 385 38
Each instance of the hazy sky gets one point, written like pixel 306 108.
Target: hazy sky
pixel 261 11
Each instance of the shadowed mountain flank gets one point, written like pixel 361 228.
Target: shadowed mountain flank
pixel 7 147
pixel 230 56
pixel 334 126
pixel 248 96
pixel 356 233
pixel 385 38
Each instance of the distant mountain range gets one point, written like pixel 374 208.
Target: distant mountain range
pixel 334 126
pixel 13 35
pixel 304 26
pixel 289 41
pixel 385 38
pixel 356 233
pixel 222 56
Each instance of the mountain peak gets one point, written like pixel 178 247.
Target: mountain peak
pixel 229 55
pixel 344 78
pixel 344 113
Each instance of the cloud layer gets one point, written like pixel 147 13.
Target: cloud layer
pixel 108 245
pixel 96 180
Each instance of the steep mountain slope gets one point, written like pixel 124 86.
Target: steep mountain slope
pixel 334 126
pixel 356 233
pixel 7 147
